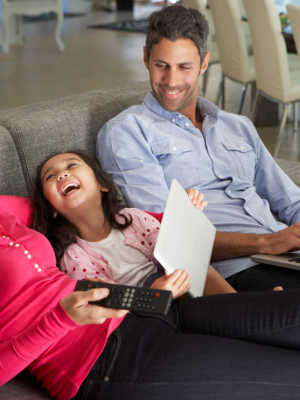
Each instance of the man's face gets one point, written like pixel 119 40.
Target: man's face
pixel 174 68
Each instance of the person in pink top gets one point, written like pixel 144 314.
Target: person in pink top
pixel 81 351
pixel 44 325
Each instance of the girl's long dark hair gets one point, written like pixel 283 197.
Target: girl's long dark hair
pixel 59 231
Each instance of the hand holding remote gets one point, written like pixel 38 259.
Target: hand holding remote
pixel 79 307
pixel 131 298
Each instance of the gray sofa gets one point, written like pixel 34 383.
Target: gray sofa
pixel 28 134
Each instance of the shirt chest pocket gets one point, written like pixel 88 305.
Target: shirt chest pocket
pixel 240 159
pixel 164 149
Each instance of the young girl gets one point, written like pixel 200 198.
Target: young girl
pixel 80 210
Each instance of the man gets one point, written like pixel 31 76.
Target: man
pixel 177 134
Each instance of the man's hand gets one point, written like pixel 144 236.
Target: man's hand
pixel 196 198
pixel 235 244
pixel 80 311
pixel 287 239
pixel 178 282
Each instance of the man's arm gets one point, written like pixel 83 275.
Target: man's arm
pixel 272 184
pixel 235 244
pixel 125 152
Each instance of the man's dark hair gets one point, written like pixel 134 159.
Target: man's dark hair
pixel 59 231
pixel 177 22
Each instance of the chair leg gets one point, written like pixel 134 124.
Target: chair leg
pixel 295 116
pixel 19 30
pixel 60 19
pixel 219 94
pixel 254 104
pixel 7 34
pixel 242 101
pixel 281 129
pixel 223 91
pixel 205 81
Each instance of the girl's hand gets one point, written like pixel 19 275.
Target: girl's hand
pixel 79 309
pixel 178 282
pixel 196 198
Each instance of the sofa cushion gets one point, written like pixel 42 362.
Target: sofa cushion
pixel 65 124
pixel 23 387
pixel 11 174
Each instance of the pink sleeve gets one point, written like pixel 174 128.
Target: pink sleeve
pixel 78 263
pixel 71 264
pixel 148 224
pixel 19 206
pixel 18 352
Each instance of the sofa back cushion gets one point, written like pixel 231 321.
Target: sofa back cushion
pixel 65 124
pixel 11 175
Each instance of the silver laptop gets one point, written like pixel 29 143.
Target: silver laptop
pixel 286 260
pixel 185 239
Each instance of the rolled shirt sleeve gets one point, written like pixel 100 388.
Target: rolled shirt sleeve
pixel 125 153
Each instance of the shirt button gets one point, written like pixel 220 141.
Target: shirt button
pixel 187 124
pixel 39 269
pixel 174 148
pixel 229 191
pixel 174 120
pixel 26 251
pixel 3 236
pixel 17 245
pixel 36 266
pixel 29 256
pixel 11 243
pixel 242 148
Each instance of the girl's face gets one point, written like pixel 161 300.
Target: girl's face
pixel 68 183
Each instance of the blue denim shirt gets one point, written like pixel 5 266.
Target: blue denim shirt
pixel 146 146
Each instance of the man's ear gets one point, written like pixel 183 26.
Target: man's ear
pixel 146 60
pixel 205 62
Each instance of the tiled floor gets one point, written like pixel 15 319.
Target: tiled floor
pixel 93 59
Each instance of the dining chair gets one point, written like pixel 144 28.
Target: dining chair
pixel 237 63
pixel 12 18
pixel 276 77
pixel 201 6
pixel 294 16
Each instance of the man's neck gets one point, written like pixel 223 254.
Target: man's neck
pixel 196 118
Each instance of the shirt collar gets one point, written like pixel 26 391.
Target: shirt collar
pixel 206 107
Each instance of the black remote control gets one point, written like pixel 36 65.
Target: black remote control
pixel 131 298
